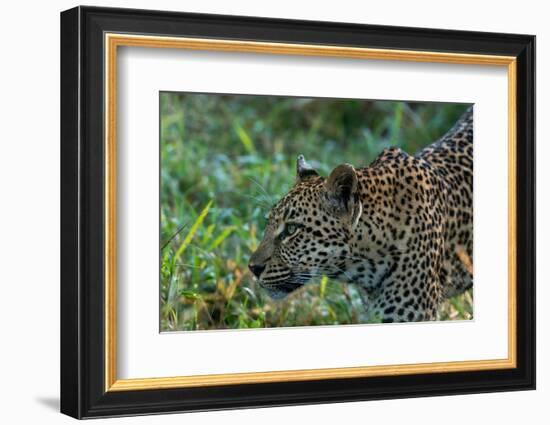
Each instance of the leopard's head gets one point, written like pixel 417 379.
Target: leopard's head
pixel 308 230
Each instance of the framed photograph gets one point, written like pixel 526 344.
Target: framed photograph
pixel 261 212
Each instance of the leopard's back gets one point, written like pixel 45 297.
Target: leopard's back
pixel 452 156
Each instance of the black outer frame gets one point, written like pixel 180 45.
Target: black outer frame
pixel 82 218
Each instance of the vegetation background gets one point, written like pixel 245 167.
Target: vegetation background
pixel 225 160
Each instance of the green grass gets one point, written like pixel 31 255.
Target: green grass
pixel 225 160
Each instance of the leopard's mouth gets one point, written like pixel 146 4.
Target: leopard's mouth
pixel 282 288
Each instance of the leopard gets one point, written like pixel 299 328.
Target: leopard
pixel 399 229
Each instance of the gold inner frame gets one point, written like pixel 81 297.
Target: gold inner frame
pixel 113 41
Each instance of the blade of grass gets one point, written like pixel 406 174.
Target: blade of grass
pixel 165 244
pixel 245 139
pixel 208 234
pixel 396 123
pixel 192 231
pixel 323 286
pixel 223 236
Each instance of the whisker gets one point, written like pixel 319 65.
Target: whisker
pixel 322 273
pixel 347 275
pixel 281 278
pixel 260 186
pixel 207 253
pixel 353 257
pixel 306 275
pixel 260 202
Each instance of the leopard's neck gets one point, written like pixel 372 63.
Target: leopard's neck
pixel 372 243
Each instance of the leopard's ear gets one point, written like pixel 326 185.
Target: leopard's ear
pixel 342 193
pixel 304 171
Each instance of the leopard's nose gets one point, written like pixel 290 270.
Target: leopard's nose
pixel 256 269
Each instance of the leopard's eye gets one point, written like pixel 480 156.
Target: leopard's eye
pixel 290 229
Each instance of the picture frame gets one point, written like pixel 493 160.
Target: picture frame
pixel 90 40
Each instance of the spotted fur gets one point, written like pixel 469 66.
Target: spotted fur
pixel 396 228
